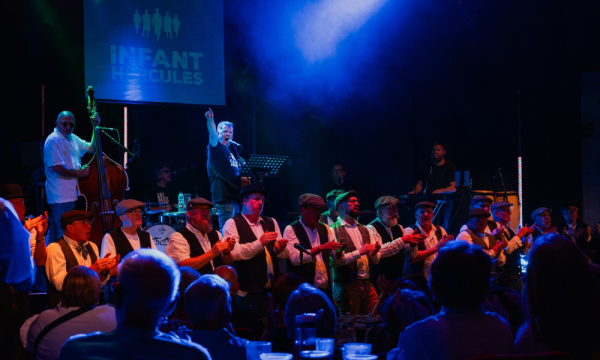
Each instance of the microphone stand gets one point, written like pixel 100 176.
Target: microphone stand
pixel 503 187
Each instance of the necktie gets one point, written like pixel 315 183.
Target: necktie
pixel 82 250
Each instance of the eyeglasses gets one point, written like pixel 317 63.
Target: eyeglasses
pixel 67 124
pixel 84 222
pixel 338 170
pixel 354 202
pixel 392 208
pixel 136 212
pixel 165 171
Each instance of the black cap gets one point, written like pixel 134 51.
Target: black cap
pixel 311 200
pixel 424 204
pixel 344 196
pixel 74 215
pixel 333 194
pixel 253 189
pixel 478 212
pixel 12 191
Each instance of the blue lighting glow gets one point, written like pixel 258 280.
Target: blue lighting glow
pixel 322 25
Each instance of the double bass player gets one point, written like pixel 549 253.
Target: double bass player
pixel 62 160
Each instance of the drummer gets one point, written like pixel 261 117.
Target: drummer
pixel 129 237
pixel 197 245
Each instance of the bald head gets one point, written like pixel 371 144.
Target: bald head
pixel 65 114
pixel 229 274
pixel 149 281
pixel 65 123
pixel 207 302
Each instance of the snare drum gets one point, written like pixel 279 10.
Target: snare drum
pixel 175 219
pixel 513 198
pixel 160 234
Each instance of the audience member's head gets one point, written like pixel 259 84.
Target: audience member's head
pixel 460 275
pixel 81 287
pixel 419 305
pixel 230 275
pixel 421 284
pixel 284 287
pixel 308 299
pixel 188 276
pixel 208 303
pixel 146 288
pixel 562 297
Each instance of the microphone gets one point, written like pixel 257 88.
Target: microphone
pixel 234 143
pixel 302 249
pixel 497 171
pixel 178 171
pixel 106 128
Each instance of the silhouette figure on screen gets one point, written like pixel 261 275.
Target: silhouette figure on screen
pixel 168 21
pixel 176 25
pixel 137 19
pixel 146 23
pixel 157 22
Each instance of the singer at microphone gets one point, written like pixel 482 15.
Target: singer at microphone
pixel 435 177
pixel 338 180
pixel 311 243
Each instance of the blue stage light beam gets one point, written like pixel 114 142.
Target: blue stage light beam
pixel 320 26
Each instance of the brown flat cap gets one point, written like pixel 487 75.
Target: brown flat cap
pixel 501 204
pixel 386 201
pixel 478 212
pixel 74 215
pixel 12 191
pixel 333 194
pixel 481 198
pixel 344 196
pixel 539 212
pixel 128 205
pixel 311 200
pixel 424 204
pixel 199 202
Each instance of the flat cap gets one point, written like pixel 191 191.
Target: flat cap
pixel 128 205
pixel 480 198
pixel 539 212
pixel 385 201
pixel 424 205
pixel 250 189
pixel 500 204
pixel 333 194
pixel 344 196
pixel 199 202
pixel 563 208
pixel 74 215
pixel 12 191
pixel 311 200
pixel 479 212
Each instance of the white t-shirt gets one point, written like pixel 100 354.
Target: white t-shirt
pixel 59 150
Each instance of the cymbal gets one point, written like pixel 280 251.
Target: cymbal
pixel 153 212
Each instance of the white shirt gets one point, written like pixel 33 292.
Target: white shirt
pixel 362 262
pixel 571 230
pixel 430 242
pixel 513 243
pixel 179 249
pixel 391 248
pixel 465 227
pixel 313 237
pixel 248 250
pixel 59 150
pixel 501 258
pixel 56 264
pixel 108 244
pixel 101 318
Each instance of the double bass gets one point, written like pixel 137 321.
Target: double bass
pixel 103 187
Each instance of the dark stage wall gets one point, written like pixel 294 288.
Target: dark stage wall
pixel 426 75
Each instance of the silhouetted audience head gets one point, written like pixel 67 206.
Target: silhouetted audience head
pixel 146 288
pixel 420 306
pixel 81 287
pixel 284 287
pixel 188 276
pixel 460 275
pixel 308 299
pixel 208 303
pixel 562 297
pixel 230 275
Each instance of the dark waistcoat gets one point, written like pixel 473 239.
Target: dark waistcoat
pixel 122 244
pixel 349 273
pixel 307 270
pixel 417 267
pixel 252 273
pixel 393 266
pixel 197 250
pixel 480 241
pixel 55 296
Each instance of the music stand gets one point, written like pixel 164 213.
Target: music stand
pixel 261 166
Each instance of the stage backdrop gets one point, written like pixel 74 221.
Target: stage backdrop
pixel 149 51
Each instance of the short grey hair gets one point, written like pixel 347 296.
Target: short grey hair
pixel 222 124
pixel 206 298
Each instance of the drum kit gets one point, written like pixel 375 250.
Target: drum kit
pixel 161 224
